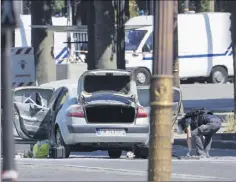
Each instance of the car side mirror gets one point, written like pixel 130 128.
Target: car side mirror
pixel 135 54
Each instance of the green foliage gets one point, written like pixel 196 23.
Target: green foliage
pixel 58 5
pixel 132 8
pixel 204 5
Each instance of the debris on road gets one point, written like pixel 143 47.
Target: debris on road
pixel 130 155
pixel 41 149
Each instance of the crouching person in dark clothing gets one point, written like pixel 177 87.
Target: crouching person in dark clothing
pixel 199 124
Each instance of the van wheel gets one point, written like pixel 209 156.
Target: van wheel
pixel 114 153
pixel 219 75
pixel 60 142
pixel 142 76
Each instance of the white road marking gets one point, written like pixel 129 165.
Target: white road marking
pixel 133 172
pixel 99 158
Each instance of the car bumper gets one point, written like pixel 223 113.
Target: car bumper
pixel 88 134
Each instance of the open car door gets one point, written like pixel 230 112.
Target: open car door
pixel 177 100
pixel 144 100
pixel 31 112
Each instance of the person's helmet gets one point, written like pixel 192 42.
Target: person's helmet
pixel 183 124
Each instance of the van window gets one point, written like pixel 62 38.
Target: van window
pixel 149 42
pixel 133 39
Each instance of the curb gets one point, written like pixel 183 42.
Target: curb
pixel 212 110
pixel 225 136
pixel 217 144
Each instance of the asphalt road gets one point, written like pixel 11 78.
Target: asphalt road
pixel 98 167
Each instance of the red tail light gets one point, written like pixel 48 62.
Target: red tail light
pixel 142 112
pixel 75 111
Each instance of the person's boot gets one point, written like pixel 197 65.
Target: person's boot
pixel 207 154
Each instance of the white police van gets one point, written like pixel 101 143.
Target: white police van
pixel 205 50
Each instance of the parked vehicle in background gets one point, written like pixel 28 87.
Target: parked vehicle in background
pixel 205 49
pixel 101 111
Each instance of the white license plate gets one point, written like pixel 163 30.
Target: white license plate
pixel 111 132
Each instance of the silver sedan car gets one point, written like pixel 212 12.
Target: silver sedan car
pixel 100 111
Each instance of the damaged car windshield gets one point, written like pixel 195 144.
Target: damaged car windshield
pixel 107 83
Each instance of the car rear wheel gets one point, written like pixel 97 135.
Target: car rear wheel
pixel 60 142
pixel 114 153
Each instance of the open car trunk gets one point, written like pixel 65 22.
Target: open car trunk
pixel 110 114
pixel 110 101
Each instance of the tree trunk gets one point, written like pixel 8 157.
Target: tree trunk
pixel 81 13
pixel 212 6
pixel 143 5
pixel 105 57
pixel 120 34
pixel 127 13
pixel 232 9
pixel 42 41
pixel 91 35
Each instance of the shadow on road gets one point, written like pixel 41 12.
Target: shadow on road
pixel 219 153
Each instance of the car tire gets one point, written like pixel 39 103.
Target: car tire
pixel 60 142
pixel 219 75
pixel 114 153
pixel 142 76
pixel 141 152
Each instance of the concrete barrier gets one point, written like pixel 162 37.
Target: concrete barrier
pixel 70 71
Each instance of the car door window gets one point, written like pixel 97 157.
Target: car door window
pixel 60 100
pixel 38 95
